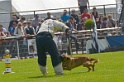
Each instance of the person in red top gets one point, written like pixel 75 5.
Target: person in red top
pixel 85 14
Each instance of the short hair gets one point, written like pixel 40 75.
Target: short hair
pixel 104 18
pixel 36 15
pixel 23 18
pixel 94 7
pixel 65 10
pixel 71 17
pixel 73 10
pixel 110 15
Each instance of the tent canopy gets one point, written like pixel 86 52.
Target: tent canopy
pixel 31 5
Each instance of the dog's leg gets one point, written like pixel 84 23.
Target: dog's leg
pixel 93 67
pixel 88 69
pixel 88 64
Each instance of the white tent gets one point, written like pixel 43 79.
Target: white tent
pixel 32 5
pixel 5 9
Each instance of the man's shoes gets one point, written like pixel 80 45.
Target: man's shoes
pixel 43 70
pixel 58 69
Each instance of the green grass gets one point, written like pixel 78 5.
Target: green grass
pixel 110 68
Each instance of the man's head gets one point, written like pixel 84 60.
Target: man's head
pixel 24 23
pixel 94 9
pixel 109 16
pixel 28 23
pixel 14 18
pixel 48 14
pixel 73 11
pixel 64 12
pixel 71 19
pixel 85 10
pixel 36 16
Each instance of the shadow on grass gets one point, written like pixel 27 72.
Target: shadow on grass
pixel 43 76
pixel 48 76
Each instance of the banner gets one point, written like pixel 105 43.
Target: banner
pixel 119 10
pixel 119 6
pixel 95 43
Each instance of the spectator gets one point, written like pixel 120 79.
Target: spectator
pixel 65 16
pixel 3 29
pixel 35 21
pixel 86 14
pixel 22 19
pixel 2 35
pixel 95 13
pixel 111 21
pixel 14 20
pixel 19 30
pixel 8 34
pixel 72 26
pixel 99 21
pixel 24 24
pixel 104 23
pixel 75 16
pixel 83 5
pixel 49 16
pixel 12 29
pixel 29 30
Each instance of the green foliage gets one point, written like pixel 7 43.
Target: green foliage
pixel 89 24
pixel 110 68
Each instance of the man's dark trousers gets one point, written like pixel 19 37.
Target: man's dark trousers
pixel 45 44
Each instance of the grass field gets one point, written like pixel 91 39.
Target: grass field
pixel 110 68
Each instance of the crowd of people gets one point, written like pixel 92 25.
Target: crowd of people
pixel 28 28
pixel 21 27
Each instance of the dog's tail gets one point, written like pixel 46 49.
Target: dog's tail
pixel 94 60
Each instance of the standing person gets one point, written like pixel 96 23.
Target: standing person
pixel 83 5
pixel 29 30
pixel 95 13
pixel 3 29
pixel 2 35
pixel 49 16
pixel 19 30
pixel 99 21
pixel 104 23
pixel 72 26
pixel 11 29
pixel 65 16
pixel 85 14
pixel 75 16
pixel 111 21
pixel 35 21
pixel 14 20
pixel 45 43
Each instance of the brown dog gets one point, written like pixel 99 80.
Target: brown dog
pixel 69 63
